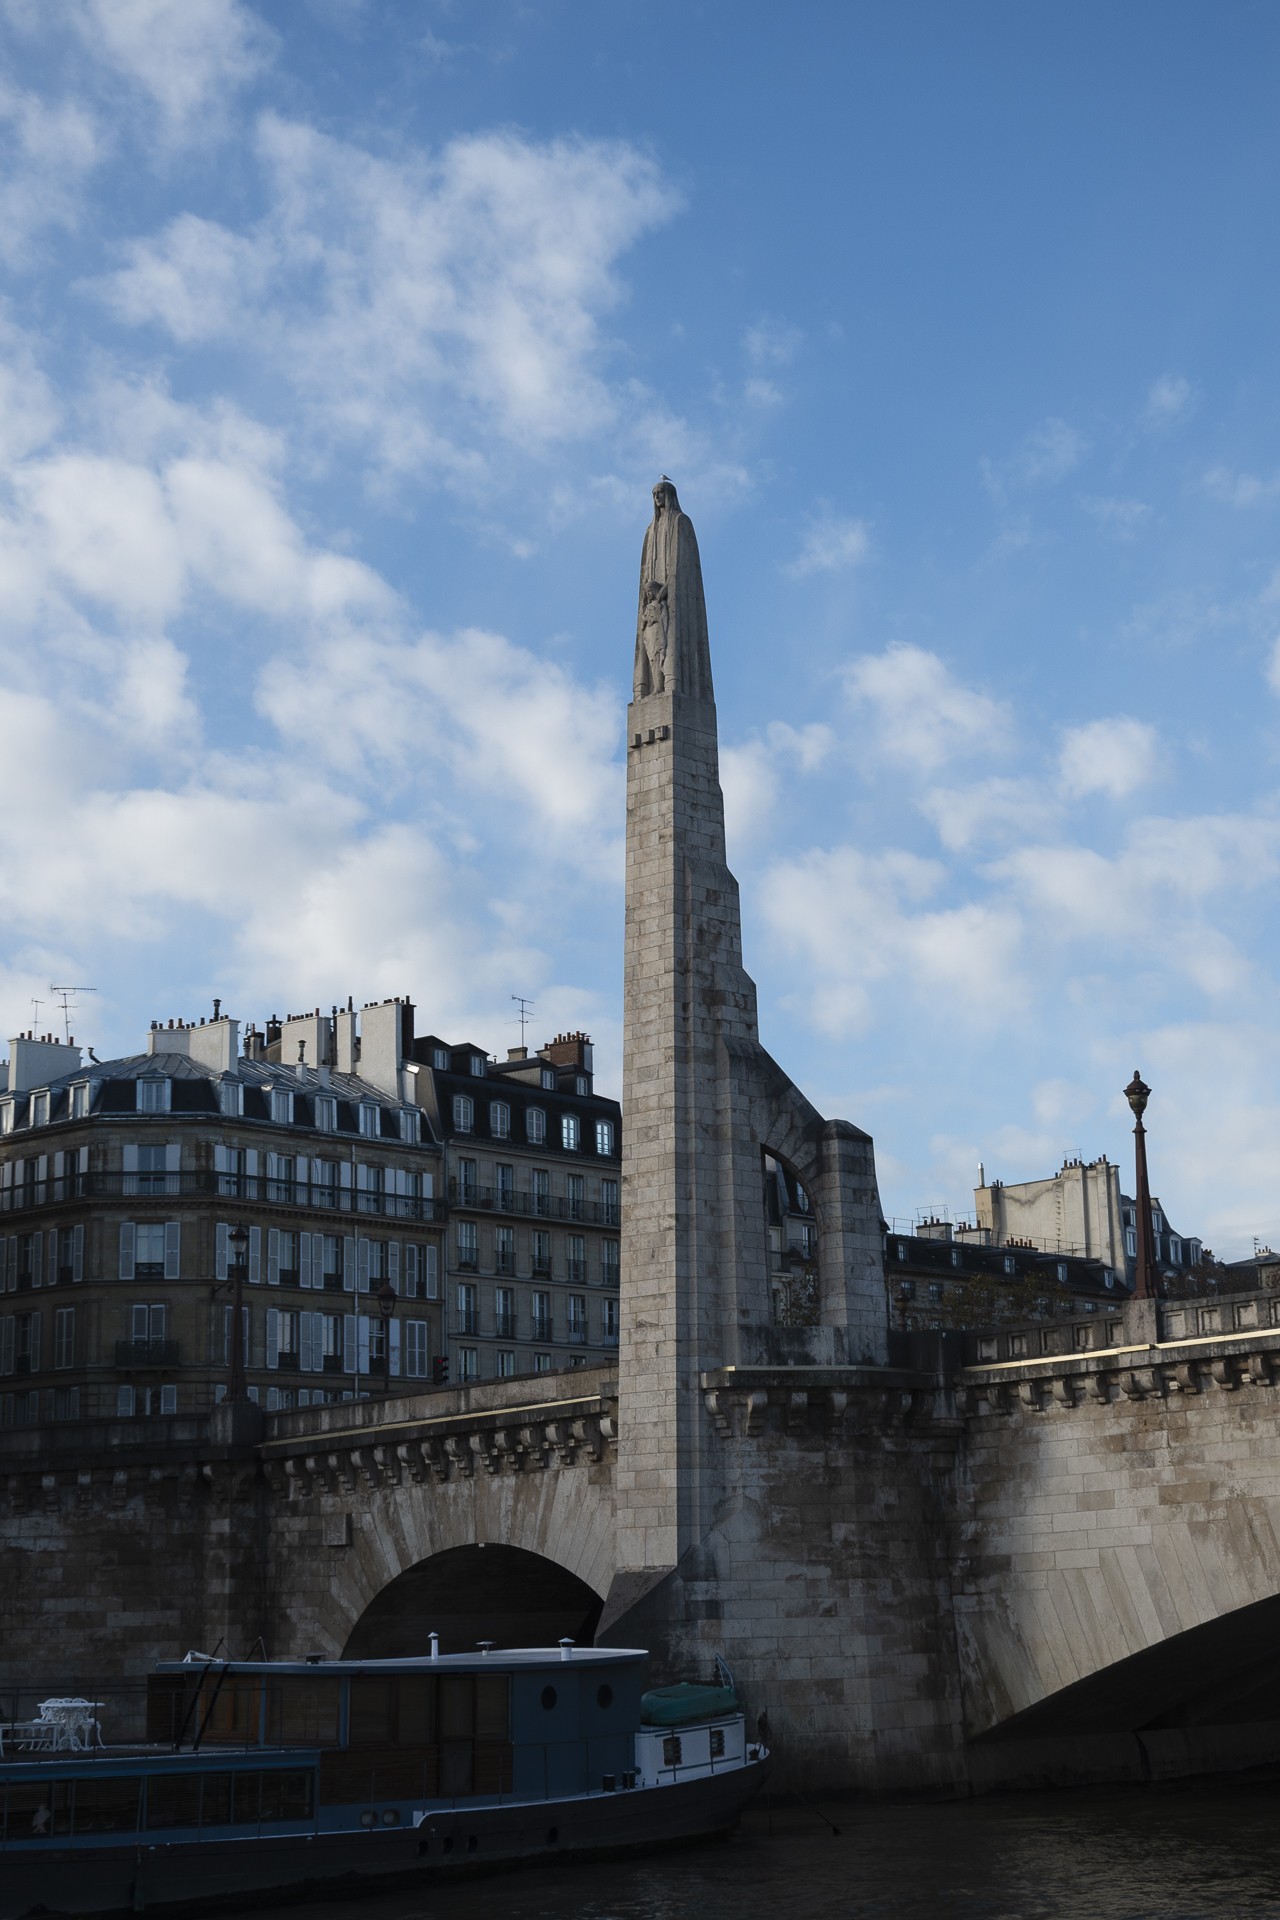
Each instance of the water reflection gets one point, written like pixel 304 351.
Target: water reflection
pixel 1159 1854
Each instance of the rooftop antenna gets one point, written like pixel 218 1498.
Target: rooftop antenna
pixel 35 1012
pixel 64 994
pixel 525 1009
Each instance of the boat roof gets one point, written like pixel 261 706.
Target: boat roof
pixel 507 1659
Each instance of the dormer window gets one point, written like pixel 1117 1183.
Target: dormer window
pixel 464 1113
pixel 6 1116
pixel 39 1115
pixel 326 1112
pixel 535 1125
pixel 569 1132
pixel 499 1119
pixel 231 1099
pixel 153 1095
pixel 604 1136
pixel 369 1120
pixel 281 1107
pixel 78 1105
pixel 477 1064
pixel 440 1059
pixel 410 1126
pixel 549 1079
pixel 582 1086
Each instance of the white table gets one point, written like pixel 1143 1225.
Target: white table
pixel 73 1722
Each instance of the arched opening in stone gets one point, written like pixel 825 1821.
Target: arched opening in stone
pixel 792 1231
pixel 469 1594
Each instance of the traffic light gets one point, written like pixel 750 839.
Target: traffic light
pixel 439 1371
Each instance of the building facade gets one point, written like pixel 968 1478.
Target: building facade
pixel 1079 1211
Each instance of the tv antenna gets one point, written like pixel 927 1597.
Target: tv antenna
pixel 35 1012
pixel 525 1009
pixel 64 995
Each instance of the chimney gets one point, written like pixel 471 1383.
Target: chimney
pixel 570 1050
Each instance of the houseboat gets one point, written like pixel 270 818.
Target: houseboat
pixel 262 1779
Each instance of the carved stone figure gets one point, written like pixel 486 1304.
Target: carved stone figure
pixel 672 651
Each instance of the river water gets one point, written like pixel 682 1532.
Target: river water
pixel 1169 1853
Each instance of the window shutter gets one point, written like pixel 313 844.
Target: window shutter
pixel 52 1257
pixel 411 1272
pixel 59 1166
pixel 11 1265
pixel 7 1326
pixel 173 1157
pixel 362 1338
pixel 77 1253
pixel 251 1162
pixel 393 1333
pixel 393 1263
pixel 431 1261
pixel 35 1343
pixel 306 1342
pixel 363 1281
pixel 304 1259
pixel 344 1182
pixel 131 1169
pixel 82 1160
pixel 348 1265
pixel 255 1256
pixel 273 1256
pixel 126 1249
pixel 273 1336
pixel 302 1170
pixel 317 1260
pixel 42 1170
pixel 221 1251
pixel 37 1251
pixel 349 1343
pixel 172 1249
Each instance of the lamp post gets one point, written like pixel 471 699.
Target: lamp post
pixel 1137 1093
pixel 238 1243
pixel 386 1307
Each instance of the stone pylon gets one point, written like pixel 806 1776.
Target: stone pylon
pixel 702 1103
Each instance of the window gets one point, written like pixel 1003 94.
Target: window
pixel 609 1261
pixel 410 1126
pixel 152 1167
pixel 71 1254
pixel 468 1182
pixel 540 1191
pixel 577 1317
pixel 609 1321
pixel 671 1750
pixel 124 1403
pixel 6 1116
pixel 282 1107
pixel 542 1316
pixel 1010 1264
pixel 499 1119
pixel 420 1273
pixel 542 1363
pixel 464 1113
pixel 468 1312
pixel 369 1125
pixel 1131 1242
pixel 290 1258
pixel 506 1365
pixel 153 1095
pixel 468 1366
pixel 569 1132
pixel 78 1106
pixel 440 1059
pixel 417 1356
pixel 717 1743
pixel 504 1187
pixel 324 1183
pixel 326 1112
pixel 535 1126
pixel 540 1242
pixel 329 1251
pixel 504 1312
pixel 582 1086
pixel 609 1202
pixel 576 1189
pixel 149 1249
pixel 282 1168
pixel 468 1244
pixel 504 1250
pixel 39 1114
pixel 477 1064
pixel 549 1079
pixel 1175 1251
pixel 64 1337
pixel 1062 1271
pixel 576 1260
pixel 935 1291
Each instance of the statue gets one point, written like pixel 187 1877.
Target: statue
pixel 673 654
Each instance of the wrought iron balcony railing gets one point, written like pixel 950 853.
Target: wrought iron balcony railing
pixel 256 1189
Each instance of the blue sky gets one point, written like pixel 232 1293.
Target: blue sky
pixel 341 341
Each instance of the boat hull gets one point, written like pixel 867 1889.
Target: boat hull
pixel 187 1877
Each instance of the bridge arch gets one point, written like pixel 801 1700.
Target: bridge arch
pixel 473 1593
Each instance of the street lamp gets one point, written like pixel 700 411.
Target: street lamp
pixel 386 1297
pixel 238 1244
pixel 1137 1093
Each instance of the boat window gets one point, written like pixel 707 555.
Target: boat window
pixel 167 1695
pixel 671 1750
pixel 37 1808
pixel 548 1698
pixel 215 1800
pixel 173 1800
pixel 417 1716
pixel 227 1714
pixel 604 1696
pixel 303 1711
pixel 371 1719
pixel 717 1743
pixel 107 1804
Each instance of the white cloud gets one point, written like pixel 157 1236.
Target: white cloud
pixel 752 774
pixel 1045 456
pixel 830 545
pixel 1112 757
pixel 47 152
pixel 1167 400
pixel 923 715
pixel 420 306
pixel 186 56
pixel 985 810
pixel 1241 489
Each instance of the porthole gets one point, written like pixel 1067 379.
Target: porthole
pixel 548 1698
pixel 391 1816
pixel 604 1696
pixel 368 1818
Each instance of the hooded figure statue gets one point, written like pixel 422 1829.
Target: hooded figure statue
pixel 673 654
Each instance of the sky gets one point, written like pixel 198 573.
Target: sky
pixel 341 342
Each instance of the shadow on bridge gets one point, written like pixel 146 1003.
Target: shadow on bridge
pixel 473 1593
pixel 1203 1701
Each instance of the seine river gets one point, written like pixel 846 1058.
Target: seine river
pixel 1163 1854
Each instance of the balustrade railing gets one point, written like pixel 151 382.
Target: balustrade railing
pixel 533 1206
pixel 200 1184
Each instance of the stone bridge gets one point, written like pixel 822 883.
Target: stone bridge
pixel 1058 1560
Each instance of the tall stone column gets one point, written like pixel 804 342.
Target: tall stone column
pixel 702 1101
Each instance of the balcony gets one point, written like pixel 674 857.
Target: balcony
pixel 541 1330
pixel 195 1185
pixel 532 1206
pixel 504 1260
pixel 147 1353
pixel 575 1272
pixel 505 1326
pixel 468 1322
